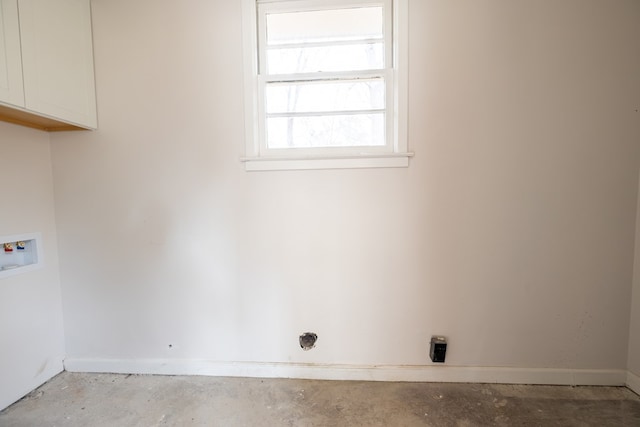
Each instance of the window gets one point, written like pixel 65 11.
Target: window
pixel 325 84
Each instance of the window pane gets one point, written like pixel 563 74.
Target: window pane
pixel 324 25
pixel 357 130
pixel 325 96
pixel 362 56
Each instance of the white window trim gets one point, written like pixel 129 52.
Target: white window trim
pixel 400 155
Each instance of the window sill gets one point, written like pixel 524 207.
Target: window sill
pixel 396 160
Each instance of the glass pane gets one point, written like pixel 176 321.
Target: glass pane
pixel 362 56
pixel 357 130
pixel 324 25
pixel 325 96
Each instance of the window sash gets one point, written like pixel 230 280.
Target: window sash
pixel 265 7
pixel 387 76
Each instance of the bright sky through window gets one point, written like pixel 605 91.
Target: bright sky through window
pixel 337 111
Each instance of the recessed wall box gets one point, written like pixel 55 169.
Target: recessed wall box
pixel 438 349
pixel 20 253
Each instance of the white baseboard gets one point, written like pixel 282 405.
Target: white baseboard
pixel 633 382
pixel 444 373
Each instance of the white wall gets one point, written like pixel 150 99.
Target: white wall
pixel 634 330
pixel 31 335
pixel 512 232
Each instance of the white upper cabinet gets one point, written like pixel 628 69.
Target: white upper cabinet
pixel 11 90
pixel 55 56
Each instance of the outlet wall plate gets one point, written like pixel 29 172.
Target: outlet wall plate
pixel 438 349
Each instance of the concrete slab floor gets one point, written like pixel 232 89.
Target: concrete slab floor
pixel 93 400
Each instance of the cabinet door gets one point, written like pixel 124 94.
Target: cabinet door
pixel 57 59
pixel 10 61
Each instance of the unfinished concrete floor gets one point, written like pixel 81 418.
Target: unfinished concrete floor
pixel 92 400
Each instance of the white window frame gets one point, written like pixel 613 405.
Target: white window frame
pixel 393 154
